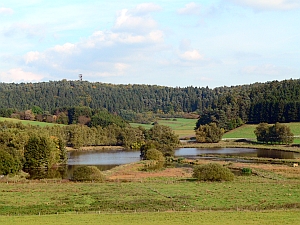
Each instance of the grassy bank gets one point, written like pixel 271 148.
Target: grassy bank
pixel 169 218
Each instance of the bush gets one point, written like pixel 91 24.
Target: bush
pixel 153 165
pixel 153 154
pixel 8 165
pixel 212 172
pixel 247 171
pixel 88 173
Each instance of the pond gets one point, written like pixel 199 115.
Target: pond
pixel 106 160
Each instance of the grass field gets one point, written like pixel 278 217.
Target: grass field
pixel 150 195
pixel 270 198
pixel 34 123
pixel 182 127
pixel 247 131
pixel 185 128
pixel 288 217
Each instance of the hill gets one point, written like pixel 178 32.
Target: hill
pixel 268 102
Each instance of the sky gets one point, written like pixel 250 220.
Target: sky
pixel 174 43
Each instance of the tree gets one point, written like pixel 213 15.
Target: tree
pixel 104 118
pixel 277 133
pixel 29 115
pixel 164 139
pixel 36 110
pixel 40 151
pixel 8 165
pixel 209 133
pixel 262 132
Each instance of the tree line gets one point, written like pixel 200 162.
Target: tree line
pixel 260 102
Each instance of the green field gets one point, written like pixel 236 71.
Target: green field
pixel 288 217
pixel 247 131
pixel 34 123
pixel 152 195
pixel 182 127
pixel 185 128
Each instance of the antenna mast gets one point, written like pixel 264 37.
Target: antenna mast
pixel 80 77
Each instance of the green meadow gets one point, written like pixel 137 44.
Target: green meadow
pixel 185 128
pixel 267 192
pixel 247 131
pixel 182 127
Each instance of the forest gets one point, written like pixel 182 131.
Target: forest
pixel 270 102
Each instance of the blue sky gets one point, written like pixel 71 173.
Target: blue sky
pixel 172 43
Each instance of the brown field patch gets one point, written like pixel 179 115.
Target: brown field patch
pixel 131 172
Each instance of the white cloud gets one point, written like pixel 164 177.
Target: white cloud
pixel 190 9
pixel 269 4
pixel 18 75
pixel 102 39
pixel 126 21
pixel 121 67
pixel 6 11
pixel 191 55
pixel 32 56
pixel 146 8
pixel 66 48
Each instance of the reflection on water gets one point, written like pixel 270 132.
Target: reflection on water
pixel 196 152
pixel 275 154
pixel 103 158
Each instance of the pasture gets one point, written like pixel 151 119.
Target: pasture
pixel 287 217
pixel 182 127
pixel 247 131
pixel 271 187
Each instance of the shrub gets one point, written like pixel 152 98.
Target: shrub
pixel 153 154
pixel 153 165
pixel 88 173
pixel 212 172
pixel 247 171
pixel 8 165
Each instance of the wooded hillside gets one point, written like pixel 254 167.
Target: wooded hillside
pixel 260 102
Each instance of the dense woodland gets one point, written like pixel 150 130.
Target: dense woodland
pixel 227 106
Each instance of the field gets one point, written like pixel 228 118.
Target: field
pixel 272 187
pixel 247 131
pixel 182 127
pixel 290 217
pixel 33 123
pixel 185 128
pixel 170 196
